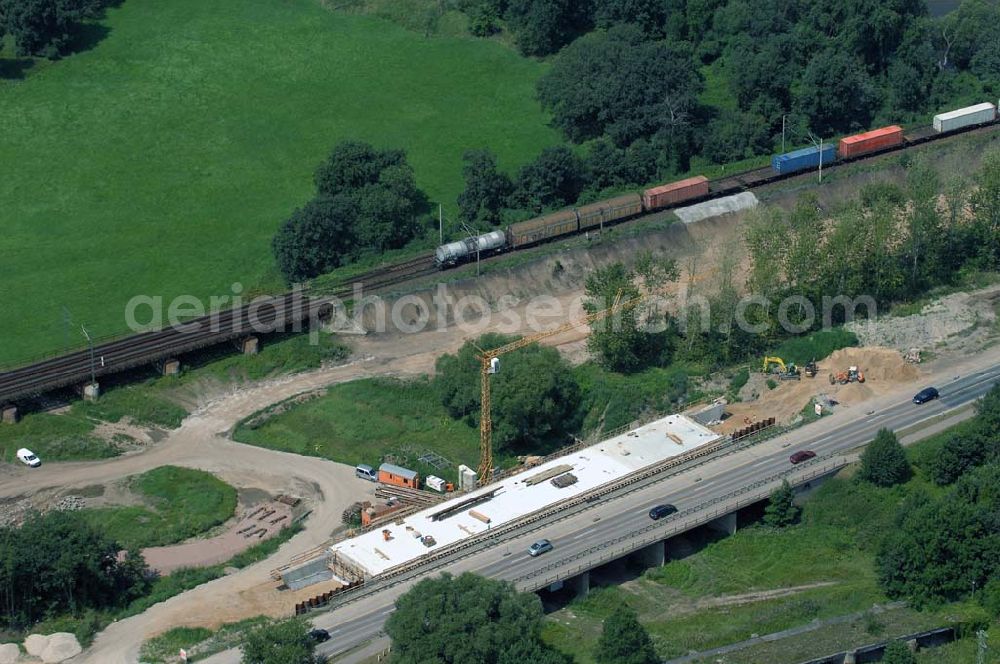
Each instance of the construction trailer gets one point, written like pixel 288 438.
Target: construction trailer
pixel 389 473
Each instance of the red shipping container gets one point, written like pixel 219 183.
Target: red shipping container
pixel 870 141
pixel 675 192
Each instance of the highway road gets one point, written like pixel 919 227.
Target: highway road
pixel 360 621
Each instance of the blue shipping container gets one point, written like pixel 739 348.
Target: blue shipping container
pixel 799 160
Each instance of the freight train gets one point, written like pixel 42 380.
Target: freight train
pixel 596 215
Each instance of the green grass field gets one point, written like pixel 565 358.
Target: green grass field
pixel 363 420
pixel 161 160
pixel 180 503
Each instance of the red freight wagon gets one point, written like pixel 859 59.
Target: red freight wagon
pixel 675 192
pixel 870 141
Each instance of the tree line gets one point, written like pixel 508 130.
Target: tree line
pixel 627 78
pixel 945 546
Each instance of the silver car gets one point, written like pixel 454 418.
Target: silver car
pixel 539 547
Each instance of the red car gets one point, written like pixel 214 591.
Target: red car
pixel 801 455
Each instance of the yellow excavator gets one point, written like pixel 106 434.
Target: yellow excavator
pixel 785 371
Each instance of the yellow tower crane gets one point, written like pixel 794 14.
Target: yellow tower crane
pixel 490 362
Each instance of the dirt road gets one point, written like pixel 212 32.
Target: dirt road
pixel 202 442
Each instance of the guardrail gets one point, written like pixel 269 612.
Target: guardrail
pixel 551 514
pixel 661 530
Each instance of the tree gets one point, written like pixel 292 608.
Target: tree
pixel 616 341
pixel 45 27
pixel 282 642
pixel 650 15
pixel 554 179
pixel 624 640
pixel 896 652
pixel 486 188
pixel 883 463
pixel 534 395
pixel 467 619
pixel 542 27
pixel 937 548
pixel 367 200
pixel 353 165
pixel 317 238
pixel 985 204
pixel 57 563
pixel 836 93
pixel 621 84
pixel 989 597
pixel 781 509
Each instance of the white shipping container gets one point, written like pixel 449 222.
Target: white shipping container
pixel 435 483
pixel 963 117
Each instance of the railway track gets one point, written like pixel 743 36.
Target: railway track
pixel 281 311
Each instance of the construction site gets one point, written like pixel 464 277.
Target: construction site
pixel 398 542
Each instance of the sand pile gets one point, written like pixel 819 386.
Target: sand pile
pixel 877 364
pixel 884 370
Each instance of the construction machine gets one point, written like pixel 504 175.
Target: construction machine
pixel 778 366
pixel 852 375
pixel 811 369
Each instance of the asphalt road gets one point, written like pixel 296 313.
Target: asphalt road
pixel 359 622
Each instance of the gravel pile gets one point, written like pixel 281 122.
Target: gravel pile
pixel 71 503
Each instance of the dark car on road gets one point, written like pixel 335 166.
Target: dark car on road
pixel 539 547
pixel 661 511
pixel 925 395
pixel 802 455
pixel 319 635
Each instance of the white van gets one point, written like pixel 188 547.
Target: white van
pixel 366 472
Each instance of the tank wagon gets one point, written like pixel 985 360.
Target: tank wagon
pixel 671 194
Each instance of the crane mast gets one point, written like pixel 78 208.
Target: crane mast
pixel 488 366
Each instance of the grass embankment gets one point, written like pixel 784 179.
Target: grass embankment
pixel 163 648
pixel 762 580
pixel 179 503
pixel 203 123
pixel 364 420
pixel 154 402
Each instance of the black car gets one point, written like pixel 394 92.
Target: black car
pixel 661 511
pixel 319 635
pixel 925 395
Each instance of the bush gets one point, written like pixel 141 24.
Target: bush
pixel 781 510
pixel 883 463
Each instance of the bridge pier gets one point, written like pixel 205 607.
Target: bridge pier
pixel 653 555
pixel 724 524
pixel 170 367
pixel 91 391
pixel 250 346
pixel 581 584
pixel 9 415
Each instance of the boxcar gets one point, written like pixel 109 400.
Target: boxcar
pixel 964 117
pixel 542 228
pixel 800 160
pixel 675 192
pixel 611 210
pixel 870 141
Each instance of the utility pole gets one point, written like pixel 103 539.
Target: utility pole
pixel 981 646
pixel 66 321
pixel 821 160
pixel 440 226
pixel 474 238
pixel 90 342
